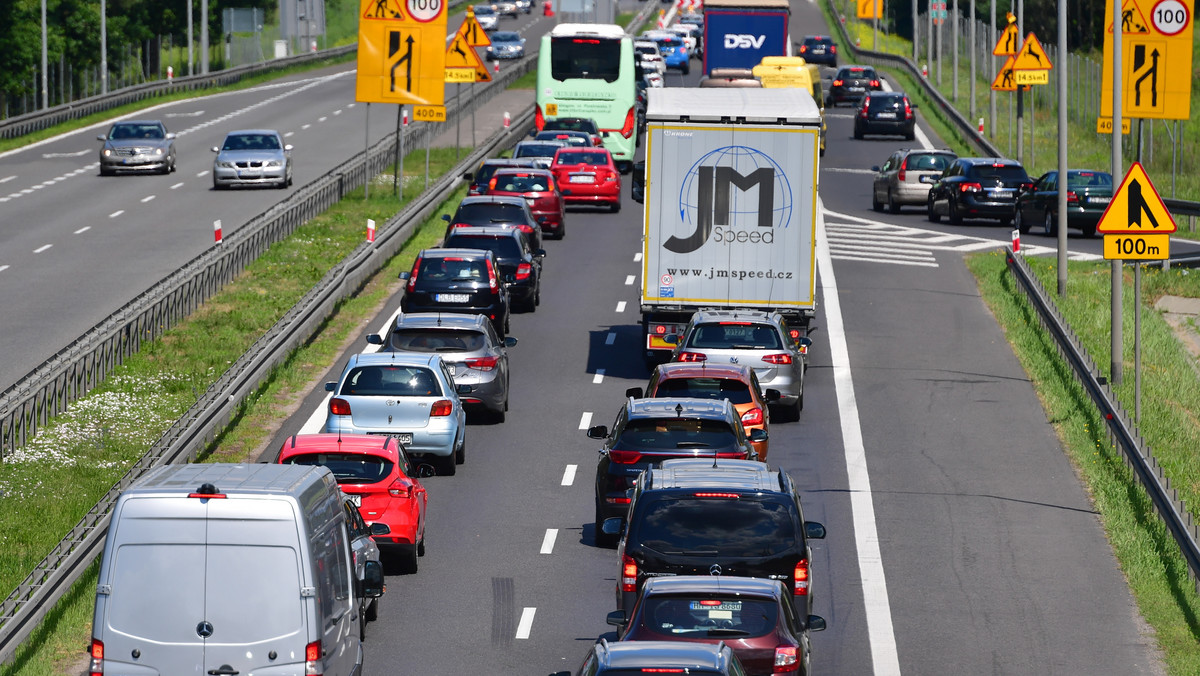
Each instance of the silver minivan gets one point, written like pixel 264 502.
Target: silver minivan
pixel 226 569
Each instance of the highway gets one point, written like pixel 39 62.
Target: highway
pixel 960 539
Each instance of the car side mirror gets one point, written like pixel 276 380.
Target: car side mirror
pixel 875 168
pixel 380 529
pixel 635 392
pixel 613 526
pixel 509 341
pixel 374 339
pixel 913 105
pixel 171 136
pixel 214 149
pixel 814 530
pixel 772 394
pixel 757 435
pixel 598 432
pixel 446 217
pixel 468 176
pixel 671 339
pixel 288 147
pixel 540 253
pixel 102 137
pixel 372 579
pixel 330 387
pixel 881 76
pixel 462 389
pixel 815 623
pixel 404 275
pixel 617 618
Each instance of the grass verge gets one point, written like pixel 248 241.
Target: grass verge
pixel 1156 573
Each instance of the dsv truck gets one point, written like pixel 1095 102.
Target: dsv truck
pixel 739 33
pixel 730 192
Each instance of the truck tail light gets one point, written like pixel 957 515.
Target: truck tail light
pixel 440 408
pixel 412 276
pixel 96 668
pixel 400 489
pixel 339 407
pixel 624 457
pixel 800 575
pixel 786 659
pixel 970 187
pixel 692 356
pixel 753 417
pixel 630 123
pixel 629 574
pixel 539 119
pixel 524 270
pixel 482 363
pixel 312 657
pixel 778 359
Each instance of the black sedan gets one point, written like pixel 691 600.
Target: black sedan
pixel 977 187
pixel 851 84
pixel 1088 195
pixel 885 113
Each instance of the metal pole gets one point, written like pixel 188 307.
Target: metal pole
pixel 1062 152
pixel 992 75
pixel 457 122
pixel 367 153
pixel 396 157
pixel 400 173
pixel 929 37
pixel 938 60
pixel 203 37
pixel 428 140
pixel 103 50
pixel 1137 342
pixel 954 45
pixel 191 66
pixel 1116 346
pixel 973 49
pixel 916 34
pixel 1020 11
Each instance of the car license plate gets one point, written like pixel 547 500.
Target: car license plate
pixel 452 297
pixel 929 178
pixel 356 499
pixel 856 89
pixel 403 437
pixel 1099 200
pixel 887 116
pixel 998 194
pixel 588 178
pixel 249 174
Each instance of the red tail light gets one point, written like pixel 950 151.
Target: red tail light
pixel 786 659
pixel 492 184
pixel 833 49
pixel 803 48
pixel 482 363
pixel 753 417
pixel 782 358
pixel 312 654
pixel 630 123
pixel 339 407
pixel 539 119
pixel 722 496
pixel 875 84
pixel 866 104
pixel 800 575
pixel 441 408
pixel 629 573
pixel 908 114
pixel 692 356
pixel 838 83
pixel 551 184
pixel 659 329
pixel 493 282
pixel 611 175
pixel 624 457
pixel 1071 196
pixel 903 168
pixel 412 276
pixel 524 270
pixel 970 187
pixel 97 652
pixel 400 489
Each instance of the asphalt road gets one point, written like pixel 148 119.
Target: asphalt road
pixel 960 539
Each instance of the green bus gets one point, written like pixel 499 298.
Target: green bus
pixel 587 70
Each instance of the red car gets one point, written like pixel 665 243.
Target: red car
pixel 753 616
pixel 587 176
pixel 538 188
pixel 377 474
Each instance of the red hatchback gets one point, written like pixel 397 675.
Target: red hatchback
pixel 587 176
pixel 538 188
pixel 379 477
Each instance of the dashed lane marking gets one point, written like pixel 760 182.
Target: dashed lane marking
pixel 569 475
pixel 585 420
pixel 548 541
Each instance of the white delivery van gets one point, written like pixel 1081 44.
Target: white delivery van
pixel 227 569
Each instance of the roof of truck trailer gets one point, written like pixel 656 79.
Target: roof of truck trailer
pixel 671 104
pixel 747 4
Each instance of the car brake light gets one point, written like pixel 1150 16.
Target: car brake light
pixel 629 573
pixel 663 670
pixel 611 176
pixel 551 187
pixel 339 407
pixel 1071 196
pixel 803 48
pixel 837 83
pixel 866 104
pixel 97 666
pixel 752 417
pixel 441 408
pixel 692 356
pixel 903 167
pixel 524 270
pixel 970 187
pixel 312 653
pixel 492 184
pixel 875 84
pixel 399 489
pixel 735 324
pixel 723 496
pixel 786 658
pixel 782 358
pixel 412 276
pixel 833 49
pixel 539 120
pixel 482 363
pixel 525 228
pixel 493 283
pixel 908 114
pixel 630 123
pixel 710 602
pixel 624 457
pixel 801 577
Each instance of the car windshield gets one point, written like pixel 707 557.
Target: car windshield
pixel 1086 179
pixel 923 162
pixel 386 380
pixel 740 335
pixel 1003 172
pixel 484 10
pixel 661 434
pixel 501 245
pixel 486 213
pixel 136 131
pixel 522 183
pixel 438 340
pixel 537 149
pixel 688 525
pixel 702 616
pixel 592 158
pixel 735 391
pixel 502 36
pixel 347 468
pixel 251 142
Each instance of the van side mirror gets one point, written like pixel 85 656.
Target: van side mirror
pixel 635 392
pixel 374 339
pixel 637 182
pixel 372 579
pixel 597 432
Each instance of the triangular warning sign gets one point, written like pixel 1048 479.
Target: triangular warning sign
pixel 473 32
pixel 390 10
pixel 461 56
pixel 1136 207
pixel 1132 19
pixel 1031 56
pixel 1005 82
pixel 1008 42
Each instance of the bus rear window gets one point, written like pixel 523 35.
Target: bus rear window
pixel 587 58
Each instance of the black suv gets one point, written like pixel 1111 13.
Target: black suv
pixel 514 254
pixel 467 281
pixel 721 517
pixel 648 431
pixel 497 210
pixel 851 84
pixel 977 187
pixel 819 49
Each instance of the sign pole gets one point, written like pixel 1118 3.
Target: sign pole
pixel 1062 150
pixel 992 76
pixel 396 156
pixel 1116 344
pixel 428 140
pixel 457 123
pixel 954 47
pixel 1137 342
pixel 367 153
pixel 971 70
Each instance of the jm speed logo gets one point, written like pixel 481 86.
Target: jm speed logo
pixel 732 194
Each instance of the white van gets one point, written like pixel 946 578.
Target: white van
pixel 227 569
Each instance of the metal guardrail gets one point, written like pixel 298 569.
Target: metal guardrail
pixel 1138 455
pixel 170 300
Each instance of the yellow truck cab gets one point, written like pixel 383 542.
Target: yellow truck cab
pixel 793 71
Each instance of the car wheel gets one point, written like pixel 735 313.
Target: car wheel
pixel 1021 223
pixel 876 205
pixel 615 206
pixel 372 612
pixel 460 456
pixel 106 172
pixel 933 215
pixel 1089 230
pixel 446 466
pixel 952 212
pixel 500 414
pixel 408 559
pixel 1048 226
pixel 857 132
pixel 602 540
pixel 421 546
pixel 892 205
pixel 686 69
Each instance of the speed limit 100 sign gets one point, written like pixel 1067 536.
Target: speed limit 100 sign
pixel 1170 17
pixel 425 10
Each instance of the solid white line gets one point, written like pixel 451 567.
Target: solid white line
pixel 621 306
pixel 42 248
pixel 548 541
pixel 599 377
pixel 83 229
pixel 316 421
pixel 884 656
pixel 629 280
pixel 177 185
pixel 147 198
pixel 569 475
pixel 849 171
pixel 525 625
pixel 610 339
pixel 585 420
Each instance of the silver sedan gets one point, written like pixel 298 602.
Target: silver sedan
pixel 137 146
pixel 252 157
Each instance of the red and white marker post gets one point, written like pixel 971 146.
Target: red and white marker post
pixel 217 232
pixel 370 230
pixel 507 120
pixel 1016 241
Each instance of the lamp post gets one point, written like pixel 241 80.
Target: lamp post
pixel 45 79
pixel 103 50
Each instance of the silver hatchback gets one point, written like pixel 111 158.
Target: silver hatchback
pixel 907 176
pixel 476 356
pixel 760 340
pixel 252 157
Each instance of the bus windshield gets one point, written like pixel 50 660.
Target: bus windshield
pixel 585 58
